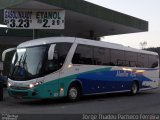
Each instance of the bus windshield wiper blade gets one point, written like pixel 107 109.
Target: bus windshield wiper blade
pixel 19 62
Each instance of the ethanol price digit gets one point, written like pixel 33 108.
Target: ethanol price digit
pixel 45 21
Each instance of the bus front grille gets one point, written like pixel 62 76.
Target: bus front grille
pixel 19 88
pixel 22 94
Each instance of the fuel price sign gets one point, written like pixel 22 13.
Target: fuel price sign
pixel 31 19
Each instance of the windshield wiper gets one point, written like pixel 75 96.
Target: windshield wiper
pixel 19 62
pixel 24 66
pixel 20 66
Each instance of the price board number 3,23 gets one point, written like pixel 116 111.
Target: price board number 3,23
pixel 20 23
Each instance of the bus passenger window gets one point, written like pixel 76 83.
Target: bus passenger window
pixel 153 61
pixel 60 54
pixel 83 55
pixel 117 55
pixel 99 56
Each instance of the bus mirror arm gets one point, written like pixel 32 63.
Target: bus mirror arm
pixel 3 57
pixel 5 52
pixel 51 52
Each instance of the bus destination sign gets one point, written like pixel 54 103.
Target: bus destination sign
pixel 34 19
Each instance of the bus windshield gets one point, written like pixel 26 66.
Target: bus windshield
pixel 33 62
pixel 27 62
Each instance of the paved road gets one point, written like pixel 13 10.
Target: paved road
pixel 144 102
pixel 122 103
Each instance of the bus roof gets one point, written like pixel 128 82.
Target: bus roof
pixel 49 40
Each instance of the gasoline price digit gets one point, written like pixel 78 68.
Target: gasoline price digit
pixel 26 23
pixel 12 23
pixel 20 22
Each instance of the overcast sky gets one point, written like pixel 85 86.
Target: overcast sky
pixel 148 10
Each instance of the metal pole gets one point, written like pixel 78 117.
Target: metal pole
pixel 35 34
pixel 91 34
pixel 1 90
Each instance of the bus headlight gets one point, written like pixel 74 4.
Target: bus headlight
pixel 31 85
pixel 9 84
pixel 34 84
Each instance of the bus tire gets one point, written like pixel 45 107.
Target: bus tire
pixel 73 92
pixel 134 88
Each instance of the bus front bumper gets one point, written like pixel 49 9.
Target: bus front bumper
pixel 24 93
pixel 33 93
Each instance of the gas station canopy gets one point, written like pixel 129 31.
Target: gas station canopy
pixel 82 19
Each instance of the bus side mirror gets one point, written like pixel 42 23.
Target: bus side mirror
pixel 4 55
pixel 5 52
pixel 51 52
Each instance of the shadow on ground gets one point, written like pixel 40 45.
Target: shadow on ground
pixel 83 99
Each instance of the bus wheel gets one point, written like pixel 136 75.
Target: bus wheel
pixel 134 88
pixel 73 92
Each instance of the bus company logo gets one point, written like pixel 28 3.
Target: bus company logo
pixel 122 74
pixel 125 74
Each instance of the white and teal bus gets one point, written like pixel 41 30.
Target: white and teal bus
pixel 70 67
